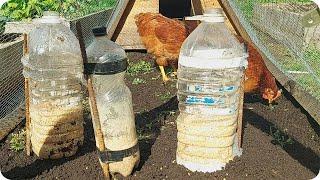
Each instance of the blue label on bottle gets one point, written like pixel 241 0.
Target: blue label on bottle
pixel 202 89
pixel 203 100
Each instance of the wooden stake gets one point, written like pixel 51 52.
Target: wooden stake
pixel 27 99
pixel 240 115
pixel 93 105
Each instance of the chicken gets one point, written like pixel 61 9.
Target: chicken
pixel 258 79
pixel 162 38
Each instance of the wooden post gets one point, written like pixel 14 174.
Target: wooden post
pixel 27 99
pixel 93 105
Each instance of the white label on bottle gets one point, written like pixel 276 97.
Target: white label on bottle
pixel 212 59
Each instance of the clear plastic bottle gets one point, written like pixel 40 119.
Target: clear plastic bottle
pixel 55 69
pixel 211 65
pixel 108 62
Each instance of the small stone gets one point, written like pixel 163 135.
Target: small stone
pixel 87 167
pixel 161 168
pixel 174 161
pixel 189 174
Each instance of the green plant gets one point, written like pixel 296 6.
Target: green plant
pixel 17 142
pixel 280 137
pixel 28 9
pixel 138 81
pixel 140 67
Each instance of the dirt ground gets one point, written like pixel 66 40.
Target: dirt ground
pixel 156 108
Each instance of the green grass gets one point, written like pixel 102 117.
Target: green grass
pixel 17 141
pixel 142 67
pixel 280 137
pixel 137 81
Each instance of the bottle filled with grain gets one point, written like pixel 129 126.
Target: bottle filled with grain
pixel 211 66
pixel 54 67
pixel 107 63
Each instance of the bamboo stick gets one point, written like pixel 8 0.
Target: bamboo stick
pixel 93 106
pixel 27 99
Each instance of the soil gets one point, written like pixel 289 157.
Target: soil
pixel 156 109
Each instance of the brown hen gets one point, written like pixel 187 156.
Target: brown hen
pixel 258 79
pixel 162 38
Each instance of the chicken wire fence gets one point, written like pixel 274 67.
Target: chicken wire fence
pixel 11 51
pixel 11 79
pixel 288 33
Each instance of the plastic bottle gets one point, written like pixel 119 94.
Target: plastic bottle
pixel 55 69
pixel 211 65
pixel 108 62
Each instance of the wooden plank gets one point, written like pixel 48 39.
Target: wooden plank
pixel 309 103
pixel 196 7
pixel 123 19
pixel 115 17
pixel 294 36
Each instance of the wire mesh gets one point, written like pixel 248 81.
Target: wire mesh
pixel 278 28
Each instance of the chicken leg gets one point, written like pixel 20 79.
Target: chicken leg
pixel 174 71
pixel 163 73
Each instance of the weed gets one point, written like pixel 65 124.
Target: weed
pixel 164 97
pixel 149 126
pixel 142 135
pixel 17 142
pixel 280 137
pixel 140 67
pixel 167 113
pixel 138 81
